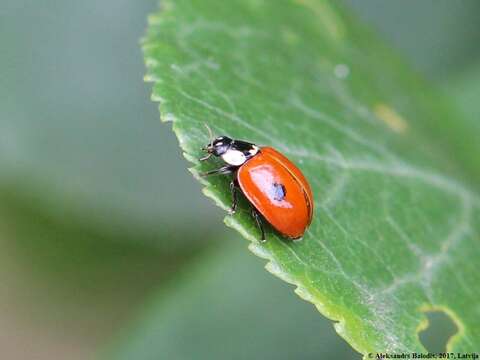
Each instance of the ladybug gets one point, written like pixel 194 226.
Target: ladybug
pixel 276 189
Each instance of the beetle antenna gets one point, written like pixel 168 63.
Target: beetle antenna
pixel 210 133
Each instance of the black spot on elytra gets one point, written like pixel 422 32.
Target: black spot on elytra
pixel 278 192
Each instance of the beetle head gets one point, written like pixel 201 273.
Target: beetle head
pixel 218 146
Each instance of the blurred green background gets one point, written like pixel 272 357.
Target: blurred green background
pixel 109 249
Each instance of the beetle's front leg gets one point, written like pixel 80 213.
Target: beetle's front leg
pixel 206 157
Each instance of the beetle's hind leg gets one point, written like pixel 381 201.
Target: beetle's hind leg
pixel 259 222
pixel 234 191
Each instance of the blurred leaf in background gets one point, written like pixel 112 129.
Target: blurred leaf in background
pixel 213 313
pixel 91 216
pixel 66 287
pixel 465 90
pixel 439 37
pixel 78 131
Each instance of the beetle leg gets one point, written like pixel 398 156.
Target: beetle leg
pixel 258 220
pixel 224 170
pixel 234 191
pixel 206 157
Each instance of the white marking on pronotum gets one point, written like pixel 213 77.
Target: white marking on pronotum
pixel 254 150
pixel 234 157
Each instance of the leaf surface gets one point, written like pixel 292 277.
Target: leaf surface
pixel 396 225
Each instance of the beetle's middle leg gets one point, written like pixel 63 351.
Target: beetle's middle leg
pixel 224 170
pixel 234 190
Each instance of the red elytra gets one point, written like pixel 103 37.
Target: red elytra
pixel 275 187
pixel 290 209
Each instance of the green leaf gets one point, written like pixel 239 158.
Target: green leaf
pixel 395 231
pixel 256 319
pixel 64 279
